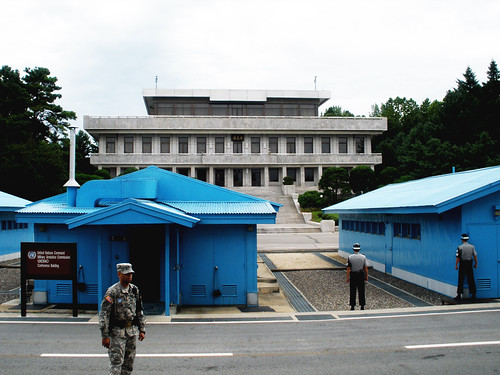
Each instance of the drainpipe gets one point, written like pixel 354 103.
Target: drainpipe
pixel 71 186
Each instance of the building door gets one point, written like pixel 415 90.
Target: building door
pixel 486 240
pixel 212 268
pixel 147 249
pixel 256 177
pixel 219 177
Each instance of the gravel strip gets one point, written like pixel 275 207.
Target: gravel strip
pixel 10 278
pixel 327 290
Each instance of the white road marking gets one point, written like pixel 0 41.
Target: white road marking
pixel 452 345
pixel 153 355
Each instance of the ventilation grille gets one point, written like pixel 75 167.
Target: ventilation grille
pixel 91 289
pixel 63 289
pixel 483 284
pixel 229 290
pixel 198 290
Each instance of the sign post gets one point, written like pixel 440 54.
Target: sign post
pixel 48 261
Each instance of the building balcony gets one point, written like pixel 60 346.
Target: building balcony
pixel 231 125
pixel 229 160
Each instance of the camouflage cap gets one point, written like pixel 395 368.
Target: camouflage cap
pixel 124 268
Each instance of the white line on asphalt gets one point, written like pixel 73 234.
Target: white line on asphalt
pixel 153 355
pixel 452 345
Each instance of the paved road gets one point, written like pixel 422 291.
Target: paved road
pixel 367 344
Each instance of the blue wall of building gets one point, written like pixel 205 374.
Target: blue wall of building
pixel 12 234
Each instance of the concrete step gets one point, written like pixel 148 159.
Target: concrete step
pixel 288 228
pixel 266 288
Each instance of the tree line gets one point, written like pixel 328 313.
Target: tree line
pixel 462 131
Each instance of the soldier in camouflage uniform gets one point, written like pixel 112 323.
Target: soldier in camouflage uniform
pixel 121 321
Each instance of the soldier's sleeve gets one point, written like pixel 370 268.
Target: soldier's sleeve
pixel 141 321
pixel 105 314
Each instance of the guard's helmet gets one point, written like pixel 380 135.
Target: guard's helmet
pixel 356 247
pixel 464 236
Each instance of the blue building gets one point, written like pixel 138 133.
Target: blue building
pixel 411 230
pixel 190 242
pixel 12 233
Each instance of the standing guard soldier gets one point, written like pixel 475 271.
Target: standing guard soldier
pixel 121 321
pixel 357 274
pixel 464 256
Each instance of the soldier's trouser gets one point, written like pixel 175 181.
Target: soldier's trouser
pixel 465 269
pixel 357 282
pixel 121 355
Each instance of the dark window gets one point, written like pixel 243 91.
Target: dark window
pixel 255 146
pixel 128 145
pixel 290 145
pixel 110 145
pixel 415 231
pixel 397 230
pixel 219 145
pixel 325 145
pixel 219 177
pixel 405 230
pixel 183 171
pixel 308 145
pixel 292 172
pixel 183 145
pixel 237 147
pixel 381 228
pixel 201 174
pixel 273 174
pixel 147 145
pixel 165 145
pixel 360 145
pixel 238 177
pixel 309 174
pixel 256 178
pixel 201 145
pixel 273 145
pixel 343 145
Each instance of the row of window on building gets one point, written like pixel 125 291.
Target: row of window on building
pixel 256 174
pixel 237 145
pixel 12 224
pixel 222 109
pixel 401 230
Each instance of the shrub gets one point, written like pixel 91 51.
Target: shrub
pixel 287 180
pixel 311 199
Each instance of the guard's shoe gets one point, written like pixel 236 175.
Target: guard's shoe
pixel 352 307
pixel 362 307
pixel 458 298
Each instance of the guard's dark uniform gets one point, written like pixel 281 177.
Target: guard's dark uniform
pixel 356 263
pixel 465 255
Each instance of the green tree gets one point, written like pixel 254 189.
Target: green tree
pixel 311 199
pixel 362 179
pixel 32 127
pixel 335 185
pixel 337 111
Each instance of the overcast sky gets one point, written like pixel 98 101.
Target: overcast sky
pixel 104 52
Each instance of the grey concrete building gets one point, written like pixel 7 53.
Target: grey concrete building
pixel 235 137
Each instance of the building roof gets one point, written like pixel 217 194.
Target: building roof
pixel 428 195
pixel 9 202
pixel 221 95
pixel 151 195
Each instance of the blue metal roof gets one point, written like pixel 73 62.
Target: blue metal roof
pixel 432 195
pixel 223 208
pixel 9 202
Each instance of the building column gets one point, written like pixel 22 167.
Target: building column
pixel 266 176
pixel 302 176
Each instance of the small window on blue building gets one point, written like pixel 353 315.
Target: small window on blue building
pixel 381 228
pixel 405 230
pixel 397 230
pixel 415 231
